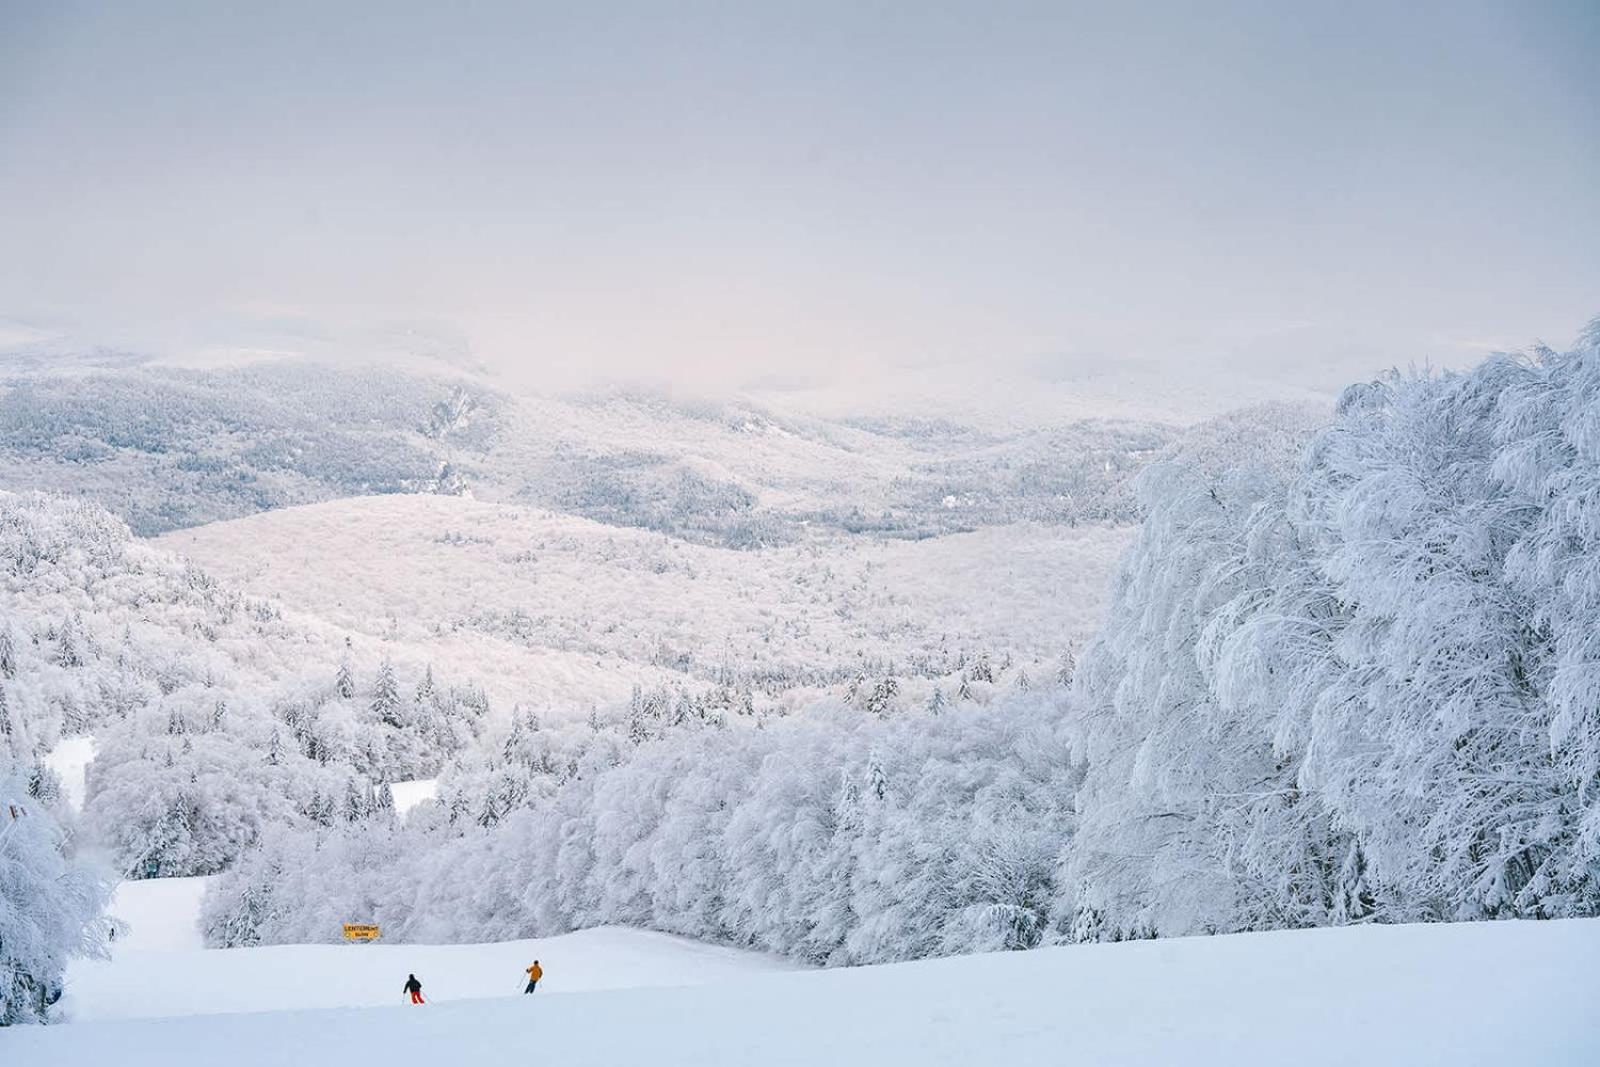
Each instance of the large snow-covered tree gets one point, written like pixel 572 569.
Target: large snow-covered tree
pixel 52 905
pixel 1361 686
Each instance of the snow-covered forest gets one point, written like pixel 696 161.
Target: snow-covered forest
pixel 1345 674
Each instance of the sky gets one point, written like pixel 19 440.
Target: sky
pixel 761 192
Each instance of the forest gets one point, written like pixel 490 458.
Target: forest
pixel 1349 673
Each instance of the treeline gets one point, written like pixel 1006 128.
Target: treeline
pixel 835 836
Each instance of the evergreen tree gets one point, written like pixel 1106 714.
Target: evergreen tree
pixel 74 720
pixel 426 695
pixel 386 705
pixel 1067 667
pixel 344 682
pixel 881 699
pixel 44 785
pixel 877 779
pixel 69 645
pixel 638 729
pixel 356 807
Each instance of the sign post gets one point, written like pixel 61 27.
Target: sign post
pixel 360 932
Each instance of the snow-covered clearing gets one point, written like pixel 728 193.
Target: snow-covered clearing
pixel 1483 993
pixel 408 795
pixel 70 760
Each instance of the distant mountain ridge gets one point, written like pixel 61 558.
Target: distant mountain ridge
pixel 168 448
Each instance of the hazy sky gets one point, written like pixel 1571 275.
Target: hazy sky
pixel 749 189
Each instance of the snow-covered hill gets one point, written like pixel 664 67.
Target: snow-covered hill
pixel 560 610
pixel 1479 993
pixel 168 448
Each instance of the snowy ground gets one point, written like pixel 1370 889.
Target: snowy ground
pixel 408 795
pixel 1485 993
pixel 70 761
pixel 1479 994
pixel 159 915
pixel 139 984
pixel 159 969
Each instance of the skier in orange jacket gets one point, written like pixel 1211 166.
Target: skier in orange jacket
pixel 535 973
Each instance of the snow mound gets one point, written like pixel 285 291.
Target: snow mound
pixel 1482 993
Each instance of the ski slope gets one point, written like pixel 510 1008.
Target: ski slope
pixel 148 984
pixel 1486 993
pixel 158 915
pixel 160 969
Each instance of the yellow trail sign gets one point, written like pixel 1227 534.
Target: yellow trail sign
pixel 360 932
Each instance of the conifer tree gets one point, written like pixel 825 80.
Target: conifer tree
pixel 386 705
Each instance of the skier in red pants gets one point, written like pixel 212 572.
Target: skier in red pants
pixel 414 987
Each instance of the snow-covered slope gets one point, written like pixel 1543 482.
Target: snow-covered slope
pixel 159 968
pixel 1480 993
pixel 143 984
pixel 156 915
pixel 564 610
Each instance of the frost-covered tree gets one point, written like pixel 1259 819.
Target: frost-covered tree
pixel 344 682
pixel 1170 773
pixel 52 906
pixel 1357 687
pixel 386 704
